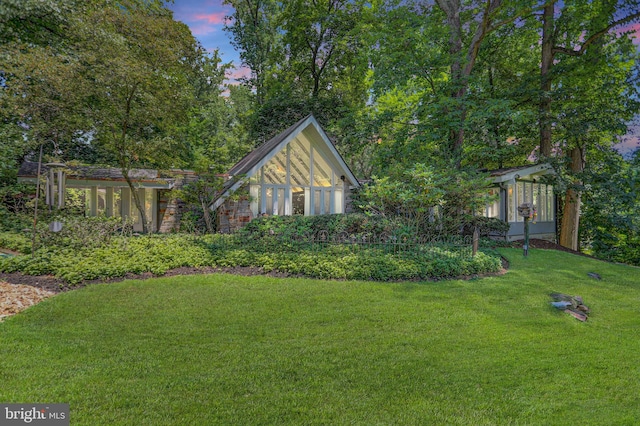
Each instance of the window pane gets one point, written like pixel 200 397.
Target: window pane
pixel 117 202
pixel 316 202
pixel 87 202
pixel 299 162
pixel 520 199
pixel 255 179
pixel 148 208
pixel 280 201
pixel 269 200
pixel 254 193
pixel 542 204
pixel 327 202
pixel 321 171
pixel 102 201
pixel 275 171
pixel 535 191
pixel 338 201
pixel 512 203
pixel 297 200
pixel 550 205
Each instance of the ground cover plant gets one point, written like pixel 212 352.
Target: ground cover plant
pixel 224 349
pixel 284 244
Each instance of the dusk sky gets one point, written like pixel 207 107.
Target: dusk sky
pixel 205 18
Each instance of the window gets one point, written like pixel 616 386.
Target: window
pixel 297 180
pixel 493 209
pixel 538 194
pixel 511 196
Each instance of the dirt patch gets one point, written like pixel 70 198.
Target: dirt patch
pixel 548 245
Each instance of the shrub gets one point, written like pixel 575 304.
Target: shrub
pixel 487 226
pixel 303 227
pixel 159 253
pixel 16 242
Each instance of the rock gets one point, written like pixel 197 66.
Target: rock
pixel 561 305
pixel 583 308
pixel 573 305
pixel 577 314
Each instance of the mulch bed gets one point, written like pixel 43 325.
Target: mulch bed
pixel 42 286
pixel 56 285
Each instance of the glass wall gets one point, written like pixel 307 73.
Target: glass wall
pixel 538 194
pixel 298 180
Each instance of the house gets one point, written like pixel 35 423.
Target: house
pixel 298 171
pixel 104 191
pixel 516 186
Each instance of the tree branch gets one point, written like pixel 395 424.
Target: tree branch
pixel 595 36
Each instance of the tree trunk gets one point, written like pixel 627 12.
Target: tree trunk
pixel 207 216
pixel 545 80
pixel 137 202
pixel 571 211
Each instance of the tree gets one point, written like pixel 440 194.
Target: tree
pixel 610 224
pixel 574 36
pixel 255 33
pixel 136 82
pixel 32 78
pixel 34 21
pixel 568 31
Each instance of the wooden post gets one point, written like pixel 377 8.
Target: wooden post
pixel 525 246
pixel 476 240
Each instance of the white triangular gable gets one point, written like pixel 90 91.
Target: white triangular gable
pixel 306 132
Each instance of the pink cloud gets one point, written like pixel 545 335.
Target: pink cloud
pixel 630 142
pixel 210 18
pixel 235 74
pixel 204 23
pixel 634 29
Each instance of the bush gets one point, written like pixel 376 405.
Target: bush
pixel 303 227
pixel 160 253
pixel 487 226
pixel 16 242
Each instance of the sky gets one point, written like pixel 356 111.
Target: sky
pixel 206 18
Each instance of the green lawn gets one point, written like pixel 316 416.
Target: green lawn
pixel 222 349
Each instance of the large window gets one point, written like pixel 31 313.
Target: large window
pixel 298 180
pixel 538 194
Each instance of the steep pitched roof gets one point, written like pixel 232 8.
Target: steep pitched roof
pixel 253 161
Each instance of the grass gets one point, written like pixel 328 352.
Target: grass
pixel 224 349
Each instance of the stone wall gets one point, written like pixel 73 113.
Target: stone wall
pixel 233 215
pixel 171 216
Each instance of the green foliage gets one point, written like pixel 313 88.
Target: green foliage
pixel 430 197
pixel 116 256
pixel 610 225
pixel 486 226
pixel 80 233
pixel 20 243
pixel 297 226
pixel 16 207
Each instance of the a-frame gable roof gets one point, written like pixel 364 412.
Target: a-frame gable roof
pixel 252 162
